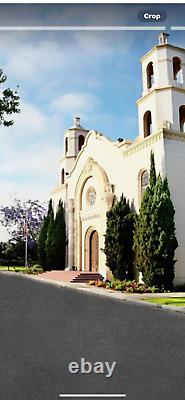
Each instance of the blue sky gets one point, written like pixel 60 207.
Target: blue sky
pixel 95 75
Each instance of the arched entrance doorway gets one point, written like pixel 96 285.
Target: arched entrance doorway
pixel 91 250
pixel 94 252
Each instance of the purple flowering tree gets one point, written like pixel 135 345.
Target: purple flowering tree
pixel 23 218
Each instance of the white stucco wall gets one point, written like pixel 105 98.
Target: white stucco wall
pixel 125 165
pixel 136 159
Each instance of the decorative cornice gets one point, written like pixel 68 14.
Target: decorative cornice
pixel 174 135
pixel 150 140
pixel 160 46
pixel 89 214
pixel 154 90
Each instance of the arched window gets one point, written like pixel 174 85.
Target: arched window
pixel 62 176
pixel 147 122
pixel 66 145
pixel 144 181
pixel 80 142
pixel 150 75
pixel 177 70
pixel 182 118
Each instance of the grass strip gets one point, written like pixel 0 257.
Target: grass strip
pixel 174 301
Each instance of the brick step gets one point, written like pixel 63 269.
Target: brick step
pixel 86 276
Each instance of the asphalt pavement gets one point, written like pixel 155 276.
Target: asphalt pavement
pixel 43 328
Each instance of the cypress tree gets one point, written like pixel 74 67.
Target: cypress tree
pixel 154 237
pixel 152 171
pixel 59 238
pixel 142 234
pixel 43 237
pixel 49 244
pixel 163 241
pixel 119 240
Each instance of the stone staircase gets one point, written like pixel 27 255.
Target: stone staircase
pixel 84 277
pixel 70 276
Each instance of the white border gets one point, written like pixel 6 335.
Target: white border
pixel 177 28
pixel 93 2
pixel 82 28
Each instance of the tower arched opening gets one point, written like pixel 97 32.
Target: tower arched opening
pixel 177 70
pixel 66 145
pixel 62 176
pixel 150 75
pixel 147 123
pixel 182 118
pixel 80 142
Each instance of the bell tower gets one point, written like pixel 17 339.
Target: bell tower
pixel 162 104
pixel 74 139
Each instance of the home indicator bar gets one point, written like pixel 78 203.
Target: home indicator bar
pixel 113 396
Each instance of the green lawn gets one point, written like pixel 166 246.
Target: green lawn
pixel 174 301
pixel 5 268
pixel 34 270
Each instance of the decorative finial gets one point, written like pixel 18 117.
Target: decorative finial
pixel 163 38
pixel 77 122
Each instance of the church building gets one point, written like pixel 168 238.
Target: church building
pixel 95 170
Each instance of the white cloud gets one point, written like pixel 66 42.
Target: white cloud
pixel 99 44
pixel 33 60
pixel 75 102
pixel 11 190
pixel 31 121
pixel 29 149
pixel 33 161
pixel 55 52
pixel 30 126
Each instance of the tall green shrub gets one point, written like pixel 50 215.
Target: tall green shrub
pixel 163 240
pixel 43 237
pixel 50 243
pixel 154 237
pixel 152 172
pixel 142 234
pixel 119 240
pixel 59 238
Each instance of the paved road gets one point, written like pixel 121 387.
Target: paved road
pixel 43 328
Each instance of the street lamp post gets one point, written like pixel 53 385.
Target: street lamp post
pixel 25 232
pixel 26 248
